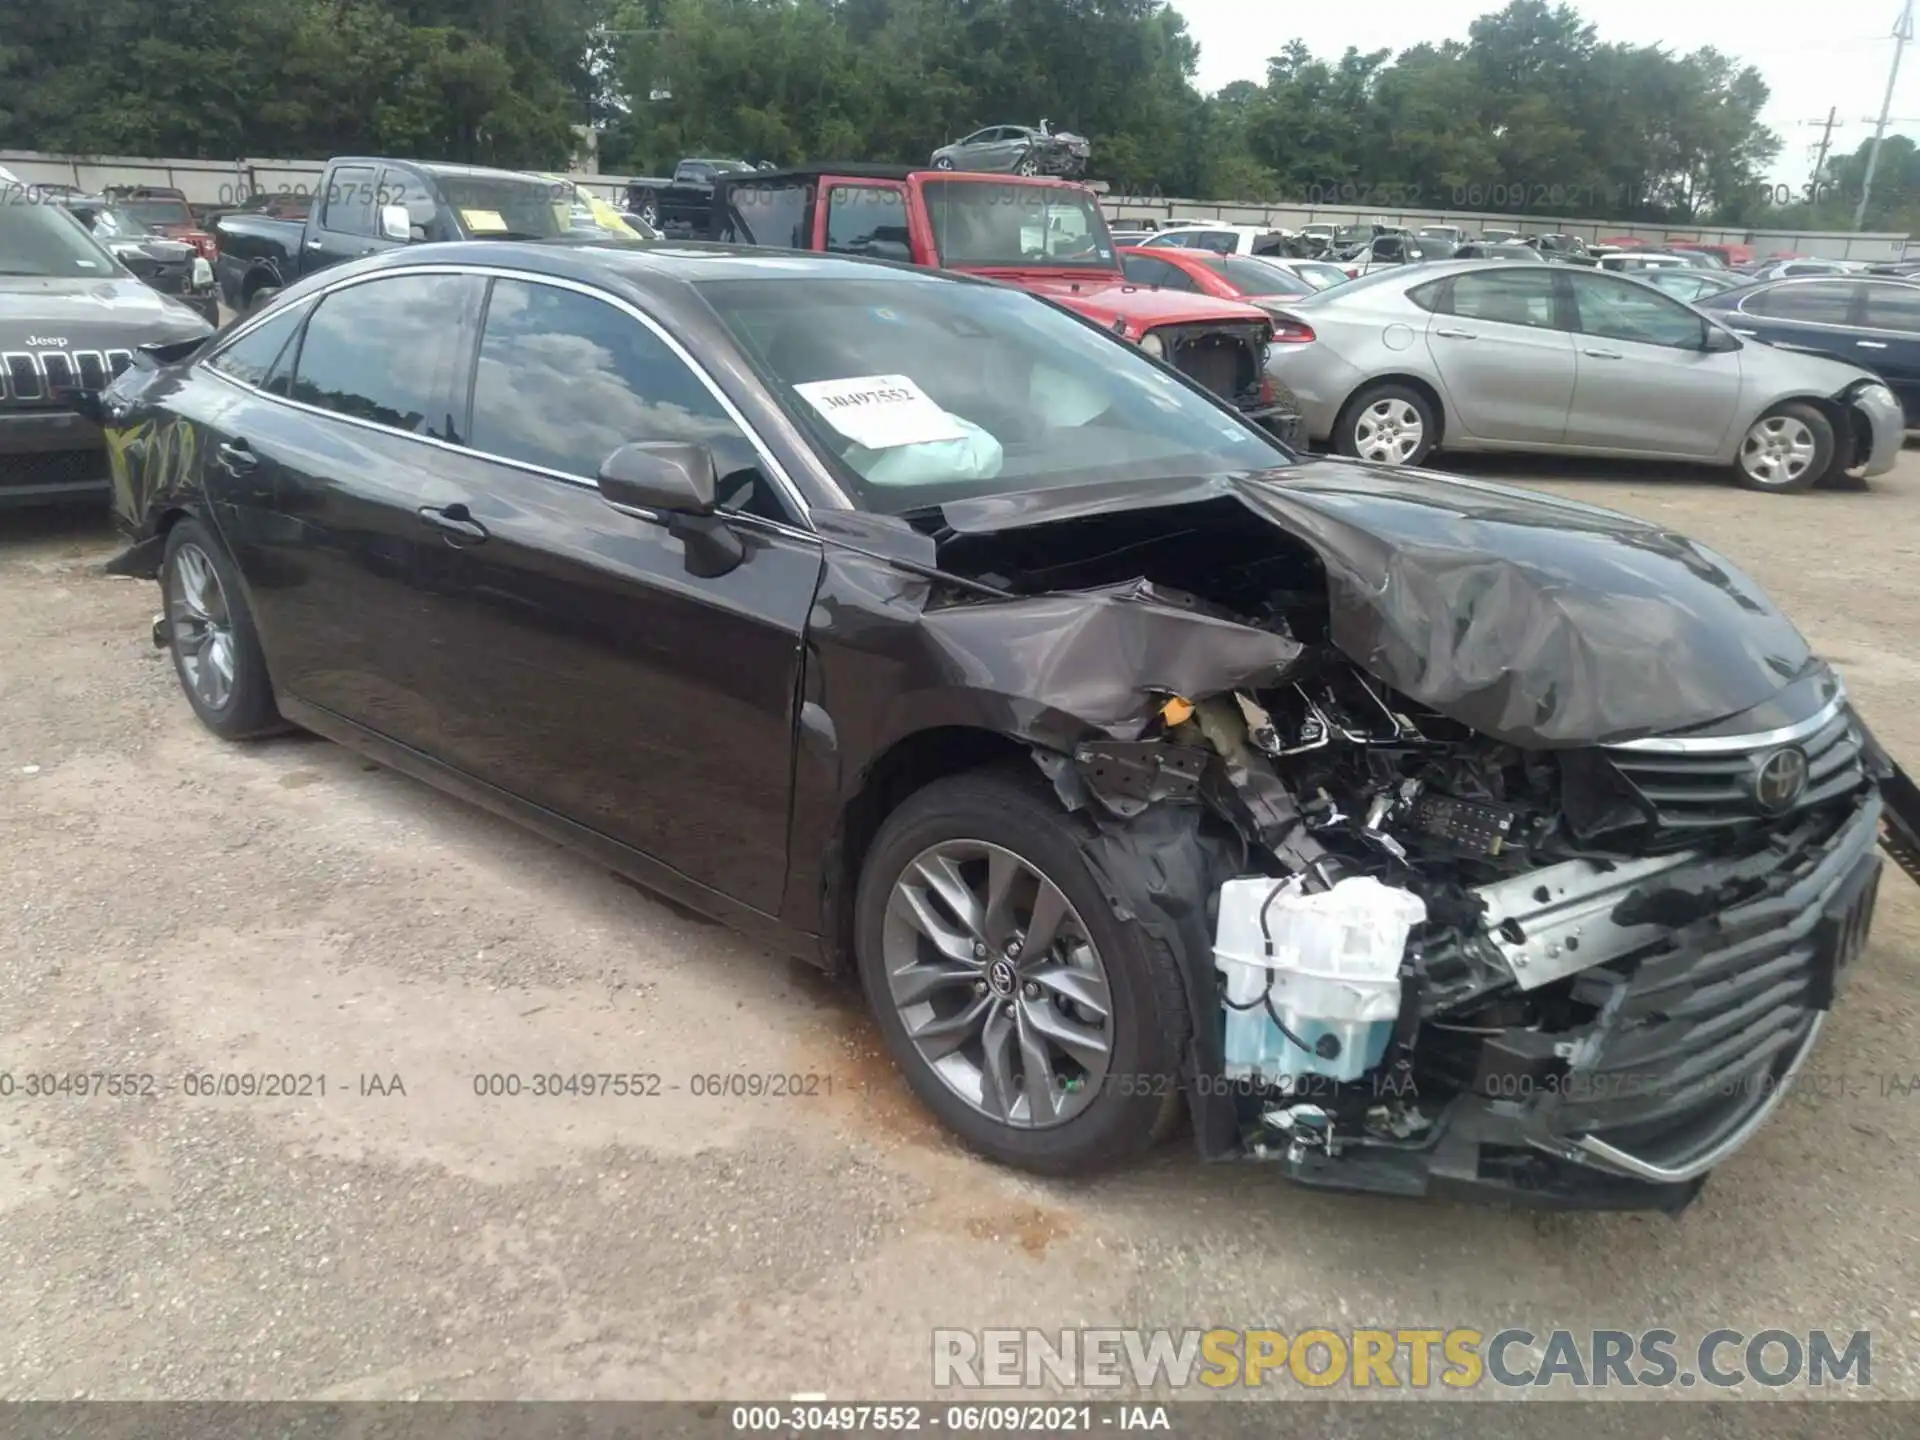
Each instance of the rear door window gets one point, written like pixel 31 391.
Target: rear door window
pixel 1894 307
pixel 263 357
pixel 761 214
pixel 1506 297
pixel 1823 302
pixel 409 380
pixel 1146 270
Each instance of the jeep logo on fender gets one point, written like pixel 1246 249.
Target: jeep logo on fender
pixel 47 374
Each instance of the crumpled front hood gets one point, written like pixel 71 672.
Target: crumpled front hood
pixel 1104 296
pixel 1539 621
pixel 115 312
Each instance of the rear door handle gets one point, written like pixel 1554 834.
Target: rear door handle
pixel 314 244
pixel 455 522
pixel 1873 345
pixel 236 457
pixel 1604 354
pixel 1457 334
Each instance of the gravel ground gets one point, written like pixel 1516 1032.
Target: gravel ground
pixel 182 907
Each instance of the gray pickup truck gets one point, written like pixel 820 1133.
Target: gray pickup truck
pixel 365 203
pixel 71 317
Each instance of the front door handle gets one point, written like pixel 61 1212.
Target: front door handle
pixel 1457 334
pixel 455 522
pixel 236 457
pixel 1604 354
pixel 1873 345
pixel 314 244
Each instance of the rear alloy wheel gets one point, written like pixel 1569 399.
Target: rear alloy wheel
pixel 1786 450
pixel 1041 1029
pixel 1387 424
pixel 650 211
pixel 945 162
pixel 210 632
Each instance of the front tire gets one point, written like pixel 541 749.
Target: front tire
pixel 1389 424
pixel 1041 1029
pixel 216 652
pixel 262 297
pixel 1029 164
pixel 945 162
pixel 1786 450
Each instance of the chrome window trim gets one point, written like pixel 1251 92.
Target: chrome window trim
pixel 1722 744
pixel 778 473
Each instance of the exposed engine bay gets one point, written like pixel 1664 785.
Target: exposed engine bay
pixel 1614 955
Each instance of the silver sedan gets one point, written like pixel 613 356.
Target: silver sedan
pixel 1541 357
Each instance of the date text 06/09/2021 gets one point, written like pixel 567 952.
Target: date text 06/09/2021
pixel 818 1417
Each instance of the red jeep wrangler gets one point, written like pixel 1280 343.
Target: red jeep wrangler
pixel 1047 236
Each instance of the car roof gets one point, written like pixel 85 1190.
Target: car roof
pixel 438 168
pixel 640 261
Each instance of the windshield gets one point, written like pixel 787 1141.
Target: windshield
pixel 493 207
pixel 45 241
pixel 158 212
pixel 1320 276
pixel 981 223
pixel 1256 277
pixel 925 391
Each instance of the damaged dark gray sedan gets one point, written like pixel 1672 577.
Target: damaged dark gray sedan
pixel 1406 832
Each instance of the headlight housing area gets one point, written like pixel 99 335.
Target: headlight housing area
pixel 202 273
pixel 1876 395
pixel 1153 345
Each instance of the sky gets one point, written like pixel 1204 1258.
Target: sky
pixel 1835 54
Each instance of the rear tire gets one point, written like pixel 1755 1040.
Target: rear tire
pixel 1097 1115
pixel 945 162
pixel 1388 424
pixel 216 651
pixel 1786 450
pixel 262 297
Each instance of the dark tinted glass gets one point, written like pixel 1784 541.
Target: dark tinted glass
pixel 1894 307
pixel 251 359
pixel 1255 277
pixel 868 220
pixel 565 380
pixel 389 351
pixel 1823 302
pixel 1145 270
pixel 768 215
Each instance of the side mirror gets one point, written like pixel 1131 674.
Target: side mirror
pixel 395 223
pixel 671 477
pixel 679 481
pixel 1718 341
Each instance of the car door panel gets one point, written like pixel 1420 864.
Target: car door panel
pixel 581 668
pixel 1508 371
pixel 334 561
pixel 1634 392
pixel 1889 342
pixel 577 663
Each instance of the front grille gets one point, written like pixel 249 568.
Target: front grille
pixel 42 469
pixel 1712 788
pixel 46 377
pixel 1693 1031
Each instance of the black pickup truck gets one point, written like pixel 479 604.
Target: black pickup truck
pixel 365 204
pixel 679 207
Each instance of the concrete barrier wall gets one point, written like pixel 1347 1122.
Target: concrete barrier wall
pixel 214 183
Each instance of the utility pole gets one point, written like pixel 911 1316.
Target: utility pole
pixel 1820 160
pixel 1902 33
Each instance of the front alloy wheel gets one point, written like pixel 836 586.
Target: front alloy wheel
pixel 998 984
pixel 1041 1028
pixel 209 629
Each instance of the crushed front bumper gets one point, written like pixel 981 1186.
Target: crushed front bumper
pixel 1886 424
pixel 1693 1047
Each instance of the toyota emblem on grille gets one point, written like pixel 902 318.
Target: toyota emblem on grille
pixel 1781 778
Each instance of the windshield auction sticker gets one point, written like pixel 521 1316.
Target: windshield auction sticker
pixel 881 412
pixel 484 222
